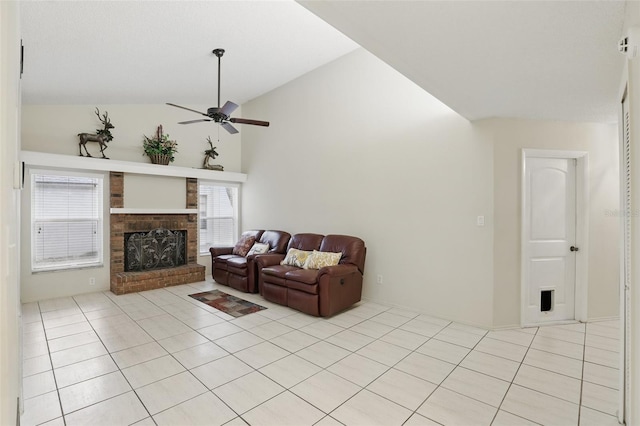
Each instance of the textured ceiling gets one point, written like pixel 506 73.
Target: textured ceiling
pixel 531 59
pixel 129 52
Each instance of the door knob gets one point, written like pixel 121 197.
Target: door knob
pixel 574 248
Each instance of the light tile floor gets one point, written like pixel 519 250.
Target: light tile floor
pixel 161 357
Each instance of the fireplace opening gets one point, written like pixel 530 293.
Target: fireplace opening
pixel 156 249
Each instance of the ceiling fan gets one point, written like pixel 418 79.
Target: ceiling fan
pixel 221 115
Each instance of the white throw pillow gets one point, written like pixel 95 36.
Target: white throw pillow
pixel 258 248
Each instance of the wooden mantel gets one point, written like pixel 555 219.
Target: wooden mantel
pixel 71 162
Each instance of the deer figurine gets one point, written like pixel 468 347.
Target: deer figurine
pixel 102 136
pixel 210 154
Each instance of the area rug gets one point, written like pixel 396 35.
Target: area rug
pixel 232 305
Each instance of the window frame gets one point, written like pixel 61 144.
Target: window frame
pixel 100 221
pixel 236 212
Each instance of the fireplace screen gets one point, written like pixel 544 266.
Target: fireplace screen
pixel 160 248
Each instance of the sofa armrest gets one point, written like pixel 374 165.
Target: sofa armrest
pixel 264 261
pixel 217 251
pixel 338 270
pixel 339 287
pixel 270 259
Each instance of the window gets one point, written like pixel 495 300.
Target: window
pixel 218 207
pixel 66 220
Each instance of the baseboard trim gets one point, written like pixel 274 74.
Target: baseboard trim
pixel 600 319
pixel 492 328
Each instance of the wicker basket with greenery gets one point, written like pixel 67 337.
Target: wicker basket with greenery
pixel 160 148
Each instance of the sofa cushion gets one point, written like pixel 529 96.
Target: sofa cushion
pixel 305 288
pixel 258 248
pixel 277 241
pixel 352 248
pixel 237 262
pixel 307 276
pixel 221 261
pixel 278 270
pixel 295 257
pixel 306 241
pixel 319 259
pixel 244 245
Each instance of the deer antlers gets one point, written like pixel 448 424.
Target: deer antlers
pixel 105 120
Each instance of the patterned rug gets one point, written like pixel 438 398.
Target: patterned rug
pixel 227 303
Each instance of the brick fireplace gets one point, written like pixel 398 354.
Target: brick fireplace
pixel 124 223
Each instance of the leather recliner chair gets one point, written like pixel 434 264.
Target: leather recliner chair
pixel 238 271
pixel 319 292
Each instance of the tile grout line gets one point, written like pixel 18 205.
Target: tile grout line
pixel 55 380
pixel 323 369
pixel 513 379
pixel 114 362
pixel 438 385
pixel 177 360
pixel 584 350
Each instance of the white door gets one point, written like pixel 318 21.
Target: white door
pixel 549 233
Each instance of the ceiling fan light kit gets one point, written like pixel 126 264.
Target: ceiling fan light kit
pixel 221 115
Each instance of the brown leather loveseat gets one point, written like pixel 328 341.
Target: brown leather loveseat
pixel 320 292
pixel 239 270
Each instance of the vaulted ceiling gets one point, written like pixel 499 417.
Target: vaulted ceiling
pixel 532 59
pixel 553 60
pixel 144 52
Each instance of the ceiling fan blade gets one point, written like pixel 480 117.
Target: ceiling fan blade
pixel 193 121
pixel 229 128
pixel 188 109
pixel 248 121
pixel 228 108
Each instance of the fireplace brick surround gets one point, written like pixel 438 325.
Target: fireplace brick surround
pixel 127 282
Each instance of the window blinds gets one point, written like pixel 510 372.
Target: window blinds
pixel 66 221
pixel 218 215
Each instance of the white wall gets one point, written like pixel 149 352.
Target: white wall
pixel 143 191
pixel 10 341
pixel 54 129
pixel 510 136
pixel 356 148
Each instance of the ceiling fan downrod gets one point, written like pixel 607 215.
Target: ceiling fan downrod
pixel 218 53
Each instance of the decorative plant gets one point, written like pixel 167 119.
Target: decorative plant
pixel 159 144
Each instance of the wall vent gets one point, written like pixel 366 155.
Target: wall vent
pixel 629 44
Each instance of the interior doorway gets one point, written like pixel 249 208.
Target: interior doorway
pixel 554 237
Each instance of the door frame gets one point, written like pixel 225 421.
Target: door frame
pixel 582 229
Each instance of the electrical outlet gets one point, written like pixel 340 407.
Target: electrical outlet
pixel 480 221
pixel 379 281
pixel 92 281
